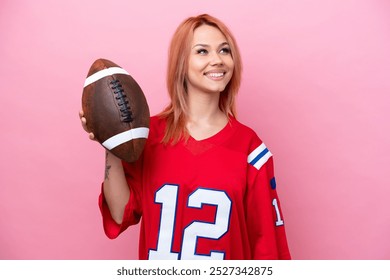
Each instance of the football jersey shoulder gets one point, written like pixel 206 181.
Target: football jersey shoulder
pixel 157 129
pixel 245 140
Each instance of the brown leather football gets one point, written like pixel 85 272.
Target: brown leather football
pixel 116 110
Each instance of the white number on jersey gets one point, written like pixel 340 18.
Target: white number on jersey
pixel 167 197
pixel 279 221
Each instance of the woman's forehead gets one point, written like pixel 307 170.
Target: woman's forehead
pixel 207 35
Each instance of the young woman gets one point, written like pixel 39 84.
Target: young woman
pixel 204 185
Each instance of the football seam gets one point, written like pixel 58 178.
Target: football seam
pixel 122 101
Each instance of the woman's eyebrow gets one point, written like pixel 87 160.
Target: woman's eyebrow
pixel 201 45
pixel 206 45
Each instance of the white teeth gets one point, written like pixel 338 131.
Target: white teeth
pixel 215 75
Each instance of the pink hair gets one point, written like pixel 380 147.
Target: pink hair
pixel 176 112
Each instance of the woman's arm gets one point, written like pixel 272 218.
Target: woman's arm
pixel 115 188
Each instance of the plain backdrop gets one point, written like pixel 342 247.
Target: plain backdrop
pixel 316 87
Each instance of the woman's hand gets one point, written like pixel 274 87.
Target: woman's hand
pixel 84 125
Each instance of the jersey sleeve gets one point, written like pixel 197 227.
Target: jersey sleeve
pixel 133 210
pixel 265 222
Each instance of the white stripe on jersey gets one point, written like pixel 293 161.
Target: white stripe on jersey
pixel 259 156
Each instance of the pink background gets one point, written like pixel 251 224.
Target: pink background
pixel 316 88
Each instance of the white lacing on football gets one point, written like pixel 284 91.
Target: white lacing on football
pixel 123 137
pixel 104 73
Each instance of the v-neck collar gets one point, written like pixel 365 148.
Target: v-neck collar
pixel 200 146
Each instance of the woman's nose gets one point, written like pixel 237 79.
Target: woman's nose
pixel 215 59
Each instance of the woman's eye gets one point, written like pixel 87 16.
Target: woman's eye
pixel 225 50
pixel 201 51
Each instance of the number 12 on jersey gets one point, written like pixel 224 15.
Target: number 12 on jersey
pixel 167 197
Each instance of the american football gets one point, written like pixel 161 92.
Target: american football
pixel 116 110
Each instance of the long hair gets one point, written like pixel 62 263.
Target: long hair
pixel 177 111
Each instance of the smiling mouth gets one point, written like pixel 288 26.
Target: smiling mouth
pixel 215 75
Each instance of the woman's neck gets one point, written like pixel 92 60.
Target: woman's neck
pixel 205 118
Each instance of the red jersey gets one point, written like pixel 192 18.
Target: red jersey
pixel 209 199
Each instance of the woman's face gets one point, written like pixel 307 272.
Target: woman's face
pixel 210 64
